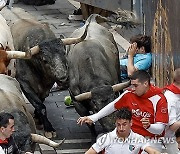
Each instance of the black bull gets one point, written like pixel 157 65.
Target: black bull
pixel 94 66
pixel 38 74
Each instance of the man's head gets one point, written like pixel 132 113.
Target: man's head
pixel 143 43
pixel 177 134
pixel 6 125
pixel 141 82
pixel 177 76
pixel 123 122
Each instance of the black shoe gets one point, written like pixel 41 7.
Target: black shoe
pixel 77 12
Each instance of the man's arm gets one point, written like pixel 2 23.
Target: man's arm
pixel 151 150
pixel 175 126
pixel 131 52
pixel 161 117
pixel 156 128
pixel 108 109
pixel 91 151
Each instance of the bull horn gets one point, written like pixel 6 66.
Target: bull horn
pixel 83 96
pixel 43 140
pixel 121 86
pixel 69 41
pixel 23 55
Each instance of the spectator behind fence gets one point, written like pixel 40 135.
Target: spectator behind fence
pixel 138 56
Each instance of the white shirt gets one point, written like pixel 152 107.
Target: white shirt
pixel 173 109
pixel 2 3
pixel 1 150
pixel 113 145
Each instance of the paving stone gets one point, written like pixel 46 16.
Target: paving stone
pixel 45 147
pixel 37 152
pixel 44 12
pixel 42 17
pixel 56 16
pixel 28 8
pixel 67 25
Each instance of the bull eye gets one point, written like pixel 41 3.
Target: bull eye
pixel 44 60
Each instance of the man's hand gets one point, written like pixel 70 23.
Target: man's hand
pixel 85 119
pixel 145 122
pixel 132 49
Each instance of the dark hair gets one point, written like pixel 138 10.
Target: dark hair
pixel 142 40
pixel 124 113
pixel 141 75
pixel 177 133
pixel 4 119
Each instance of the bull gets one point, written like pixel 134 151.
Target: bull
pixel 14 102
pixel 94 71
pixel 38 74
pixel 6 50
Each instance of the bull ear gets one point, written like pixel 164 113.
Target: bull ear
pixel 34 50
pixel 23 55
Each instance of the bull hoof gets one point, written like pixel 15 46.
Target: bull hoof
pixel 54 134
pixel 39 3
pixel 39 127
pixel 51 2
pixel 50 134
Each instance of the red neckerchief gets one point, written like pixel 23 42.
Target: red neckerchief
pixel 173 88
pixel 5 141
pixel 153 90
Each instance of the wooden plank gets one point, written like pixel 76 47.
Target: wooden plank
pixel 85 10
pixel 108 4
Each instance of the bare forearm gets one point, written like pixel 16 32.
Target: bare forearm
pixel 151 150
pixel 91 151
pixel 130 67
pixel 175 126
